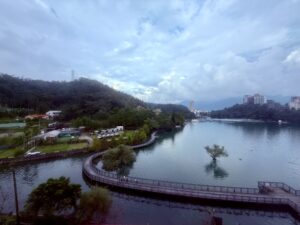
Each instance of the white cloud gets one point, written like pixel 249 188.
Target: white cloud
pixel 161 51
pixel 293 57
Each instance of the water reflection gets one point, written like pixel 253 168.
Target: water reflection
pixel 197 213
pixel 257 130
pixel 30 173
pixel 216 170
pixel 162 137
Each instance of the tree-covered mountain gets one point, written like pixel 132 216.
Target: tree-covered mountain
pixel 81 97
pixel 267 112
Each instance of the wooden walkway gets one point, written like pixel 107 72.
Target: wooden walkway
pixel 267 193
pixel 147 143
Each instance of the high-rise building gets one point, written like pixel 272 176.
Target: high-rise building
pixel 248 99
pixel 256 99
pixel 191 106
pixel 259 99
pixel 295 103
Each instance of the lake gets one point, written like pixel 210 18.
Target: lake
pixel 257 151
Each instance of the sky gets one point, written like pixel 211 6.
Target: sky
pixel 158 51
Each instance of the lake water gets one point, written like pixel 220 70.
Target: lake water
pixel 257 151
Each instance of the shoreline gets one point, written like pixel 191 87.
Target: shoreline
pixel 58 155
pixel 282 195
pixel 237 120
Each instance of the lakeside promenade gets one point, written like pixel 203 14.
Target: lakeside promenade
pixel 267 193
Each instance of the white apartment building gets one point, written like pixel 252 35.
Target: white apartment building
pixel 295 103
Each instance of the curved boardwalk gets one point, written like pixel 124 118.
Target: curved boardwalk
pixel 149 142
pixel 271 193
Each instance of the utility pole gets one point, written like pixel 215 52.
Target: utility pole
pixel 16 198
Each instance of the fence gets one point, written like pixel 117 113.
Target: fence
pixel 235 194
pixel 281 185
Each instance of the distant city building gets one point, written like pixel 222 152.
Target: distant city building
pixel 53 113
pixel 248 99
pixel 200 113
pixel 191 106
pixel 259 99
pixel 256 99
pixel 295 103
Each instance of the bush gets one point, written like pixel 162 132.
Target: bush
pixel 118 157
pixel 19 152
pixel 97 145
pixel 96 200
pixel 7 220
pixel 10 140
pixel 52 197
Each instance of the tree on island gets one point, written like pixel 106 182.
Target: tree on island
pixel 216 151
pixel 119 157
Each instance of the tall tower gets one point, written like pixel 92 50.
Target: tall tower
pixel 191 106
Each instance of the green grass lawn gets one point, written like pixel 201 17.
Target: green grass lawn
pixel 60 147
pixel 9 153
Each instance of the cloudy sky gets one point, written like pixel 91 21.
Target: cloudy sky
pixel 159 51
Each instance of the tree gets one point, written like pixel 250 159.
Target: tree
pixel 97 200
pixel 216 151
pixel 97 145
pixel 118 157
pixel 53 196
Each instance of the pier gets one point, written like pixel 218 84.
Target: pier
pixel 267 193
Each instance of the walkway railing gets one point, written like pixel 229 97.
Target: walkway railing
pixel 171 184
pixel 281 185
pixel 211 192
pixel 194 193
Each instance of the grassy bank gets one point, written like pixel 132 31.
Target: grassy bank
pixel 10 153
pixel 60 147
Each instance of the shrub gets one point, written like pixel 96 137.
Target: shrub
pixel 118 157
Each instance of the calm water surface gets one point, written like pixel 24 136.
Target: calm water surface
pixel 256 152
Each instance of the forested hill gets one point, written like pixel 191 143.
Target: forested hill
pixel 77 98
pixel 266 112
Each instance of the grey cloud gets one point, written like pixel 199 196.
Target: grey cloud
pixel 163 51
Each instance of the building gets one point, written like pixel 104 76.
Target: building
pixel 111 132
pixel 191 106
pixel 248 99
pixel 259 99
pixel 295 103
pixel 256 99
pixel 36 116
pixel 53 113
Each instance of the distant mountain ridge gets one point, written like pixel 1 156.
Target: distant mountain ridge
pixel 79 97
pixel 228 102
